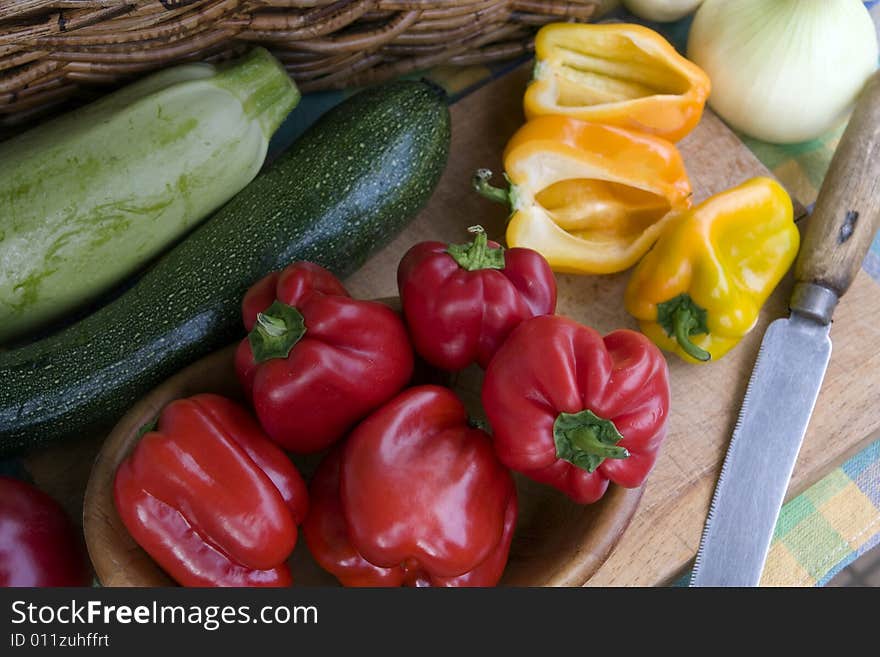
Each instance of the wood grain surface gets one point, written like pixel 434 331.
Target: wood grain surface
pixel 664 534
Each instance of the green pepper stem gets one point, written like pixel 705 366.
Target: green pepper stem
pixel 683 323
pixel 481 185
pixel 276 331
pixel 477 254
pixel 587 440
pixel 272 327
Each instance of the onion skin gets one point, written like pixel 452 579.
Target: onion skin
pixel 784 71
pixel 662 11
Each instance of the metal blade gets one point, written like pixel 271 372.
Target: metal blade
pixel 768 435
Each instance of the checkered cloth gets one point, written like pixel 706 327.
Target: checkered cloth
pixel 823 530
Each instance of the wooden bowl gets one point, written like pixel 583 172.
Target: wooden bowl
pixel 557 543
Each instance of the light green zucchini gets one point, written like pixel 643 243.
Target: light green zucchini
pixel 88 198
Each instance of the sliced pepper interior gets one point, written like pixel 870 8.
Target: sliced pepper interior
pixel 619 74
pixel 599 210
pixel 590 198
pixel 605 67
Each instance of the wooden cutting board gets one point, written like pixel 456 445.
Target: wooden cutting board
pixel 665 531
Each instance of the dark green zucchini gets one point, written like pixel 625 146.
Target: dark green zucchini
pixel 343 190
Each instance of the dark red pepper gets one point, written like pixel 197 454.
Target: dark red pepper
pixel 462 300
pixel 574 410
pixel 416 497
pixel 38 543
pixel 210 498
pixel 316 361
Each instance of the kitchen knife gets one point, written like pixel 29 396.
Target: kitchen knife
pixel 791 363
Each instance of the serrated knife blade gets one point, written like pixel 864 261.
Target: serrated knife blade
pixel 791 363
pixel 754 478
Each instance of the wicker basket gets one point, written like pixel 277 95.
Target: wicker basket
pixel 52 49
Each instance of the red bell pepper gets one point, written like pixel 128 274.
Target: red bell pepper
pixel 415 497
pixel 574 410
pixel 317 361
pixel 462 300
pixel 210 498
pixel 38 543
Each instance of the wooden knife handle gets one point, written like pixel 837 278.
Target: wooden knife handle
pixel 847 213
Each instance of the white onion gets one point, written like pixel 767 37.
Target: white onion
pixel 783 70
pixel 661 10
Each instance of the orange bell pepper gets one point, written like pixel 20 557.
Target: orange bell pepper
pixel 590 198
pixel 617 74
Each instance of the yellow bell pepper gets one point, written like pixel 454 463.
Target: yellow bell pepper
pixel 699 290
pixel 590 198
pixel 617 74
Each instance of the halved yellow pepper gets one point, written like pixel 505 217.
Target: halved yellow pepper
pixel 590 198
pixel 617 74
pixel 700 289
